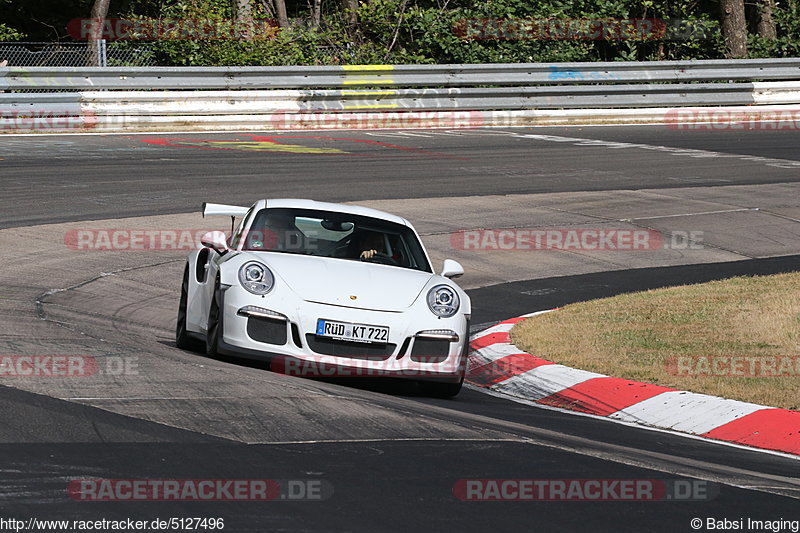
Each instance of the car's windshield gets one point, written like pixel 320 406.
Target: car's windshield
pixel 338 235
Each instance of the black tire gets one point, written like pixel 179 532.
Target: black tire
pixel 182 337
pixel 214 330
pixel 436 389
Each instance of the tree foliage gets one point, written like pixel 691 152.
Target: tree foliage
pixel 8 33
pixel 426 31
pixel 787 43
pixel 318 32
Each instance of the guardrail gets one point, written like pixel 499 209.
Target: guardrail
pixel 236 97
pixel 519 74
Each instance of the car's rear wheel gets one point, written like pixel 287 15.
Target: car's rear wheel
pixel 182 337
pixel 214 330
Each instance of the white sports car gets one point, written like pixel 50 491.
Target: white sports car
pixel 324 289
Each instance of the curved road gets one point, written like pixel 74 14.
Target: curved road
pixel 389 458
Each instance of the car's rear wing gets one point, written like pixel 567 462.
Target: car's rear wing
pixel 223 210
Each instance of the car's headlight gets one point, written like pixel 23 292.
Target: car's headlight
pixel 443 301
pixel 256 278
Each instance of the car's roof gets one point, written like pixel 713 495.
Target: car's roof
pixel 294 203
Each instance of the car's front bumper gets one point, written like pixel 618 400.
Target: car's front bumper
pixel 419 345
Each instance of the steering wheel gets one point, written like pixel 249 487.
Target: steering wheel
pixel 381 258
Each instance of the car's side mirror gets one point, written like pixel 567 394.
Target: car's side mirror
pixel 452 269
pixel 215 240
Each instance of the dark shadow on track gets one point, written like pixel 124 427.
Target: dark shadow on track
pixel 499 302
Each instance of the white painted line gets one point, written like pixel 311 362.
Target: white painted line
pixel 488 131
pixel 374 134
pixel 446 133
pixel 539 313
pixel 399 439
pixel 157 398
pixel 693 214
pixel 687 152
pixel 410 134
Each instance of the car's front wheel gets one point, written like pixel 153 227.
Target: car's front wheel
pixel 214 329
pixel 437 389
pixel 182 337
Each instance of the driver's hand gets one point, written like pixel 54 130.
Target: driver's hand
pixel 368 254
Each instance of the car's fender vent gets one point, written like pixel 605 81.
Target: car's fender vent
pixel 430 350
pixel 351 350
pixel 267 331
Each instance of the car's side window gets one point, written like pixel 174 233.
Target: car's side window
pixel 398 249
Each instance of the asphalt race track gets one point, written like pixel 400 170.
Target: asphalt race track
pixel 383 457
pixel 115 176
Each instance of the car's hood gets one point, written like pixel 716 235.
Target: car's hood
pixel 347 283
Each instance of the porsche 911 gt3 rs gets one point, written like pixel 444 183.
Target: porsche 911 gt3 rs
pixel 326 289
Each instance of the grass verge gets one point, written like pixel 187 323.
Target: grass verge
pixel 737 338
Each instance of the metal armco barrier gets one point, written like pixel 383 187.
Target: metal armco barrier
pixel 169 98
pixel 525 74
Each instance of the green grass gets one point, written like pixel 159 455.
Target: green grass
pixel 633 336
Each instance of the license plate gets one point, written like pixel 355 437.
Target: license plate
pixel 352 332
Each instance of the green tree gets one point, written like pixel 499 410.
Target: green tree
pixel 99 13
pixel 786 42
pixel 734 27
pixel 8 33
pixel 427 31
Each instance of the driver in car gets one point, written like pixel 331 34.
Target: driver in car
pixel 279 233
pixel 372 244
